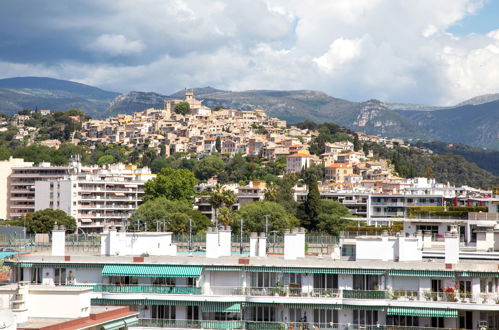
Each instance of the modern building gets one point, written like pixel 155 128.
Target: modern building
pixel 95 197
pixel 5 173
pixel 390 282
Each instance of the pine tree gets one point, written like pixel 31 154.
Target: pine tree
pixel 356 143
pixel 313 203
pixel 365 148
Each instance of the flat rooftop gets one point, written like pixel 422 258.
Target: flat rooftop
pixel 269 261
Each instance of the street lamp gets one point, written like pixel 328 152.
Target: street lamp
pixel 266 216
pixel 190 234
pixel 241 237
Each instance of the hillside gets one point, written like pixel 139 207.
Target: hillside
pixel 475 123
pixel 21 93
pixel 469 124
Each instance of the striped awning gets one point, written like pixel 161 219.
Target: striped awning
pixel 55 265
pixel 223 268
pixel 143 302
pixel 421 311
pixel 297 305
pixel 478 274
pixel 304 270
pixel 420 273
pixel 121 324
pixel 152 270
pixel 221 307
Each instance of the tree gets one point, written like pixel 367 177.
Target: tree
pixel 162 150
pixel 159 163
pixel 4 153
pixel 172 184
pixel 105 160
pixel 331 219
pixel 271 192
pixel 43 221
pixel 356 143
pixel 182 108
pixel 253 215
pixel 227 217
pixel 218 144
pixel 312 204
pixel 175 213
pixel 208 167
pixel 219 197
pixel 365 148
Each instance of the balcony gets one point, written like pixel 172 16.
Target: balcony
pixel 142 288
pixel 365 294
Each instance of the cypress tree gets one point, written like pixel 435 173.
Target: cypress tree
pixel 313 203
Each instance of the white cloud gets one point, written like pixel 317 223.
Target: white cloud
pixel 340 52
pixel 388 49
pixel 116 44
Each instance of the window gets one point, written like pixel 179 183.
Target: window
pixel 407 321
pixel 325 281
pixel 192 312
pixel 296 315
pixel 264 314
pixel 325 316
pixel 365 282
pixel 365 317
pixel 36 275
pixel 59 276
pixel 437 322
pixel 263 280
pixel 167 281
pixel 163 312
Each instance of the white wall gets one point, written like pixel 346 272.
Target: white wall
pixel 405 283
pixel 86 275
pixel 58 303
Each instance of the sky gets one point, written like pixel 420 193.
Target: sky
pixel 437 52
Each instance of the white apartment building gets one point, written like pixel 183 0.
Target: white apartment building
pixel 388 282
pixel 5 173
pixel 97 197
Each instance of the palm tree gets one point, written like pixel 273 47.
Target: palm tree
pixel 219 197
pixel 271 192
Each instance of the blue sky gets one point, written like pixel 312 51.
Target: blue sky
pixel 483 21
pixel 422 51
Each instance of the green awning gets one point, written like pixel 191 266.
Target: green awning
pixel 364 308
pixel 114 325
pixel 143 302
pixel 221 307
pixel 304 270
pixel 478 274
pixel 297 305
pixel 132 321
pixel 223 268
pixel 420 273
pixel 152 270
pixel 421 311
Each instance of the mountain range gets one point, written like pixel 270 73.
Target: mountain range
pixel 474 122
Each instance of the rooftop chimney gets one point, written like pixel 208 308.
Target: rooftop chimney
pixel 59 241
pixel 212 243
pixel 253 244
pixel 262 245
pixel 452 246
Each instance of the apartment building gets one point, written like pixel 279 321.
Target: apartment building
pixel 96 197
pixel 5 173
pixel 388 282
pixel 21 186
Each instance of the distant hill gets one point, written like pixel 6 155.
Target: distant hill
pixel 47 93
pixel 475 122
pixel 476 125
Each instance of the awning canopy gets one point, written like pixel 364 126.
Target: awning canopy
pixel 121 324
pixel 304 270
pixel 221 308
pixel 421 311
pixel 420 273
pixel 152 270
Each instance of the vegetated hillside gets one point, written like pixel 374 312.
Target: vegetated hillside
pixel 135 101
pixel 21 93
pixel 470 124
pixel 372 117
pixel 487 159
pixel 479 100
pixel 449 167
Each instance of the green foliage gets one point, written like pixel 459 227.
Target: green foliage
pixel 328 132
pixel 331 219
pixel 182 108
pixel 218 144
pixel 172 184
pixel 4 153
pixel 208 167
pixel 43 221
pixel 253 215
pixel 37 154
pixel 458 212
pixel 356 143
pixel 312 205
pixel 105 160
pixel 176 213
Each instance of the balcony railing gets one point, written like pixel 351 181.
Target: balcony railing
pixel 365 294
pixel 271 325
pixel 142 288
